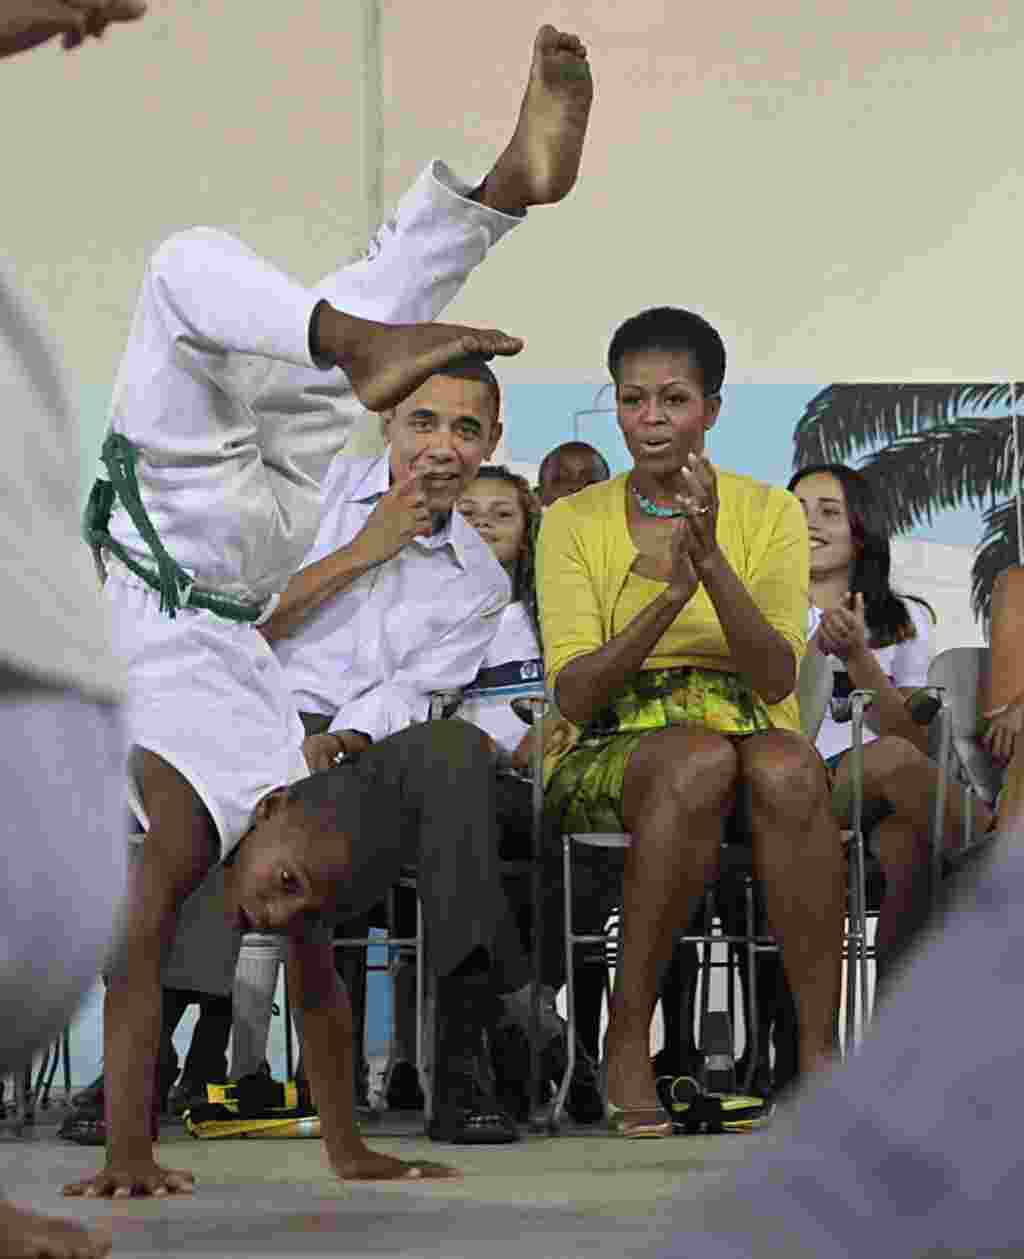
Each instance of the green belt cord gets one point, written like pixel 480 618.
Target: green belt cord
pixel 170 580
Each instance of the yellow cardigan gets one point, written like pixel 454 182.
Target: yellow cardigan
pixel 585 553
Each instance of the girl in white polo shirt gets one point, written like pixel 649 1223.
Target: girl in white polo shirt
pixel 882 642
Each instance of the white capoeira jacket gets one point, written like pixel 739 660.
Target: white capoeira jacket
pixel 234 423
pixel 234 428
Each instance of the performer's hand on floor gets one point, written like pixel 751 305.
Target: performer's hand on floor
pixel 140 1178
pixel 366 1164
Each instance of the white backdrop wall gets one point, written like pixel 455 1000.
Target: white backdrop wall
pixel 837 185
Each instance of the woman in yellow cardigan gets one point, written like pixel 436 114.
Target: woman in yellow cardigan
pixel 673 607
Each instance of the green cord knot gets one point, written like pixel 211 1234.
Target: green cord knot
pixel 171 581
pixel 118 454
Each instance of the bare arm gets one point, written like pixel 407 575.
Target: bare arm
pixel 589 683
pixel 314 586
pixel 843 633
pixel 888 714
pixel 175 857
pixel 319 996
pixel 758 651
pixel 320 999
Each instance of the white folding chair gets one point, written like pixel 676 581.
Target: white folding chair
pixel 931 706
pixel 963 673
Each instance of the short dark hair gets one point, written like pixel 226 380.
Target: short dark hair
pixel 552 455
pixel 473 367
pixel 321 793
pixel 673 331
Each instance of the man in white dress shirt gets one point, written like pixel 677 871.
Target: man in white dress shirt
pixel 236 389
pixel 400 598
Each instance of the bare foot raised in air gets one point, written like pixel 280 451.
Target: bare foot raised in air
pixel 542 160
pixel 25 1235
pixel 387 362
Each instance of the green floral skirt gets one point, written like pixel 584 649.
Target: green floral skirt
pixel 585 790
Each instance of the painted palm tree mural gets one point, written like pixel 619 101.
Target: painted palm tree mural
pixel 927 448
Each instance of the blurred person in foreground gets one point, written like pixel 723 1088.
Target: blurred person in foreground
pixel 911 1148
pixel 65 835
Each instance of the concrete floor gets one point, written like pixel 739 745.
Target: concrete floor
pixel 582 1194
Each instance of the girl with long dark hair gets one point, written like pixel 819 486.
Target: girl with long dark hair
pixel 880 641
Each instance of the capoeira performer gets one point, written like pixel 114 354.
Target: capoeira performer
pixel 62 753
pixel 235 392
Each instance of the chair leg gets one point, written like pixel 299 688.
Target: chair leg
pixel 731 970
pixel 856 952
pixel 558 1109
pixel 51 1074
pixel 289 1050
pixel 941 788
pixel 705 957
pixel 539 1120
pixel 754 1021
pixel 26 1102
pixel 969 798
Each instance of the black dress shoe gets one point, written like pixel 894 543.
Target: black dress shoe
pixel 510 1055
pixel 403 1091
pixel 465 1114
pixel 465 1108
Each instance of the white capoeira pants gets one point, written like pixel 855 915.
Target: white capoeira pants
pixel 65 844
pixel 210 698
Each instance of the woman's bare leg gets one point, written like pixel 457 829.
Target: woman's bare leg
pixel 904 851
pixel 1011 805
pixel 678 788
pixel 798 856
pixel 898 772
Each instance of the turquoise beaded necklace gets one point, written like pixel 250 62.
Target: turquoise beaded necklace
pixel 652 509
